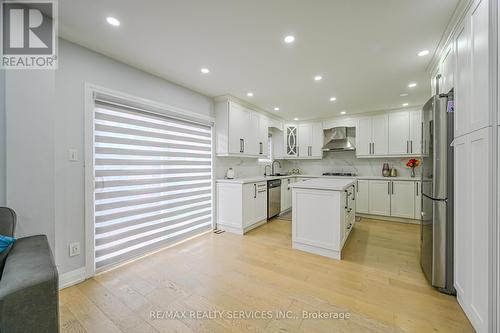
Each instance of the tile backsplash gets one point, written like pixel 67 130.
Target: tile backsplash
pixel 347 162
pixel 331 162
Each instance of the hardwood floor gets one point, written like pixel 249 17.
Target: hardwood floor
pixel 379 284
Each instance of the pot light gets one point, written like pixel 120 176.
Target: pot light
pixel 423 53
pixel 250 94
pixel 412 85
pixel 276 109
pixel 113 21
pixel 343 112
pixel 405 104
pixel 296 119
pixel 403 94
pixel 318 78
pixel 205 70
pixel 289 39
pixel 333 99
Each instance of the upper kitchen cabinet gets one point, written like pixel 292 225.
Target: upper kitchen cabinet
pixel 240 131
pixel 372 136
pixel 447 71
pixel 303 141
pixel 471 72
pixel 405 132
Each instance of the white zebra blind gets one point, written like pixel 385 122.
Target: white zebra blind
pixel 153 181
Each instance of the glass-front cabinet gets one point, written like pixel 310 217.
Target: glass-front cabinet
pixel 291 141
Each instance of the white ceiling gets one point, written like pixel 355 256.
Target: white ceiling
pixel 365 50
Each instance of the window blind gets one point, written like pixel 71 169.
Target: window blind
pixel 153 181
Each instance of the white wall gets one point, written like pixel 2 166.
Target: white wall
pixel 2 138
pixel 29 104
pixel 45 189
pixel 347 162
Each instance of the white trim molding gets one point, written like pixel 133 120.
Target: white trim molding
pixel 71 278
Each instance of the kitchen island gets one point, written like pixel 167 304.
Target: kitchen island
pixel 323 215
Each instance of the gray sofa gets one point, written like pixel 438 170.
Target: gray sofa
pixel 29 299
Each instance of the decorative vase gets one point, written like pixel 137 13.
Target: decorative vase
pixel 412 173
pixel 386 170
pixel 230 173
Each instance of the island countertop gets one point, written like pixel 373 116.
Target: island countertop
pixel 328 184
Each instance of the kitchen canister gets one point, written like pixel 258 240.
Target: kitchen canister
pixel 394 172
pixel 230 173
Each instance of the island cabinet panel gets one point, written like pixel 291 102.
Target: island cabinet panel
pixel 286 194
pixel 362 195
pixel 241 207
pixel 403 199
pixel 380 197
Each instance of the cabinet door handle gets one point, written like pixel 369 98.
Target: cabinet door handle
pixel 411 146
pixel 392 183
pixel 260 148
pixel 346 198
pixel 254 191
pixel 389 188
pixel 407 146
pixel 241 145
pixel 417 189
pixel 357 186
pixel 373 148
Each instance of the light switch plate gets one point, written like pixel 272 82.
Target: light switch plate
pixel 74 249
pixel 73 155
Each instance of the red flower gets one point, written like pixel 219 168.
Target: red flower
pixel 412 163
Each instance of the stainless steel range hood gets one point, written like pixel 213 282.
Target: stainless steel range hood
pixel 340 139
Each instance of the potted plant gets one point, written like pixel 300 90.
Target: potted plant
pixel 413 163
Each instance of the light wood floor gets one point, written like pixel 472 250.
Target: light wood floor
pixel 379 283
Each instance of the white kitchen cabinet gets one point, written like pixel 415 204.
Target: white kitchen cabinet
pixel 403 199
pixel 399 133
pixel 237 130
pixel 364 136
pixel 379 197
pixel 462 79
pixel 310 140
pixel 291 144
pixel 362 196
pixel 263 138
pixel 447 71
pixel 479 113
pixel 241 207
pixel 416 133
pixel 372 136
pixel 286 194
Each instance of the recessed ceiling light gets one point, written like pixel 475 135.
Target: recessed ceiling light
pixel 333 99
pixel 276 109
pixel 318 78
pixel 423 53
pixel 289 39
pixel 403 94
pixel 405 104
pixel 343 112
pixel 412 85
pixel 205 70
pixel 113 21
pixel 250 94
pixel 296 119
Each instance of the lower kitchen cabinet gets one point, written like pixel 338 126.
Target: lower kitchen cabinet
pixel 241 207
pixel 362 196
pixel 286 194
pixel 403 199
pixel 394 198
pixel 379 200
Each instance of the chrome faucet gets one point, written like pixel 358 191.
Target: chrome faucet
pixel 265 170
pixel 272 166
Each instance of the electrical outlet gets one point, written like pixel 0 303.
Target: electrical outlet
pixel 74 249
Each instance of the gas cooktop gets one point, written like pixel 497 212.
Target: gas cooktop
pixel 342 174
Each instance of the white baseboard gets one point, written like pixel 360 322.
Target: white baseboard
pixel 71 278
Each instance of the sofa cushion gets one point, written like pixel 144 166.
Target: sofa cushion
pixel 3 257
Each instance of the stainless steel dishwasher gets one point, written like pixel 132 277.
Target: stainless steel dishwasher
pixel 273 198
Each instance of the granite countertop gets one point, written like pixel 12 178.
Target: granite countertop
pixel 323 183
pixel 257 179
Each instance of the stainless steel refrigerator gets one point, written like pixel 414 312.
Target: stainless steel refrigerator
pixel 436 252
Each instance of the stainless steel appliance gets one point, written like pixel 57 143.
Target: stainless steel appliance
pixel 273 197
pixel 340 174
pixel 340 139
pixel 436 255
